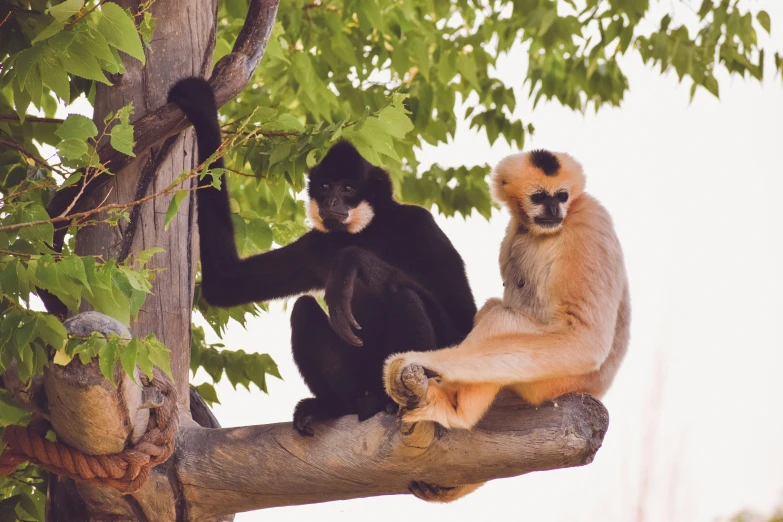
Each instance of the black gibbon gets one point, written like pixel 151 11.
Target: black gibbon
pixel 391 278
pixel 563 323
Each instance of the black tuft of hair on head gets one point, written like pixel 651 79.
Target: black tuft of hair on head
pixel 546 161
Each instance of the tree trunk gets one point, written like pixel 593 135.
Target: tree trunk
pixel 182 46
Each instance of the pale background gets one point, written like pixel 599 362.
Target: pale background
pixel 696 417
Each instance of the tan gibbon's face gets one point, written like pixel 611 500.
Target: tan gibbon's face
pixel 538 187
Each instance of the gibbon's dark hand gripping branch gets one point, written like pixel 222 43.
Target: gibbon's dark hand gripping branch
pixel 392 279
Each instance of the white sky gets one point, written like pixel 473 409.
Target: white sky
pixel 696 422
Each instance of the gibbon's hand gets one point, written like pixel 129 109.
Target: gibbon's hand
pixel 338 297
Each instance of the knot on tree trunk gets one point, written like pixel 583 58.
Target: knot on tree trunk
pixel 126 471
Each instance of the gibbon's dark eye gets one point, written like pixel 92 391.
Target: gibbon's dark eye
pixel 348 189
pixel 562 196
pixel 538 198
pixel 324 186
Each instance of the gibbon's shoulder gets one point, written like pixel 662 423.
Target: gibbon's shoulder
pixel 588 211
pixel 414 214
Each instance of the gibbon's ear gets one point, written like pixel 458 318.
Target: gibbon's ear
pixel 379 184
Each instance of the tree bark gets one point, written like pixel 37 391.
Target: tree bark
pixel 242 469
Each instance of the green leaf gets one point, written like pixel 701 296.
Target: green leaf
pixel 107 359
pixel 73 266
pixel 119 30
pixel 258 236
pixel 147 27
pixel 291 122
pixel 24 334
pixel 122 139
pixel 144 256
pixel 77 127
pixel 280 153
pixel 208 393
pixel 396 122
pixel 52 331
pixel 21 101
pixel 25 62
pixel 70 180
pixel 763 19
pixel 62 12
pixel 143 360
pixel 32 508
pixel 171 212
pixel 51 30
pixel 128 357
pixel 137 280
pixel 93 42
pixel 78 60
pixel 72 148
pixel 159 355
pixel 55 77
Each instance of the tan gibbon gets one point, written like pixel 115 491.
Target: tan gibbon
pixel 563 323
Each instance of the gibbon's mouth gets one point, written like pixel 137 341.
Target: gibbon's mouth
pixel 334 220
pixel 338 217
pixel 547 222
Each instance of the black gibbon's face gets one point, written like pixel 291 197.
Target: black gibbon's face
pixel 339 190
pixel 335 199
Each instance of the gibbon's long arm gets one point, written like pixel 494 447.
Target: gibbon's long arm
pixel 514 358
pixel 501 349
pixel 228 280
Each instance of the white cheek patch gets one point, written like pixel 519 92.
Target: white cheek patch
pixel 311 210
pixel 358 218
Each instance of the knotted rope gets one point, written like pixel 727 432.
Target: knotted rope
pixel 126 471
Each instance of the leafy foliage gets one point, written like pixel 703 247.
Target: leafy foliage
pixel 23 494
pixel 240 367
pixel 389 76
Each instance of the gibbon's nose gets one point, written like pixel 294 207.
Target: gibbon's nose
pixel 554 209
pixel 332 202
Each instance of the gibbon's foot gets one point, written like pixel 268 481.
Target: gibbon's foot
pixel 432 493
pixel 406 383
pixel 307 411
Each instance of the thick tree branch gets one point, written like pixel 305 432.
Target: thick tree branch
pixel 240 469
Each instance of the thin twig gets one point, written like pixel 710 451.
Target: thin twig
pixel 96 210
pixel 81 17
pixel 35 186
pixel 26 152
pixel 5 19
pixel 245 174
pixel 34 119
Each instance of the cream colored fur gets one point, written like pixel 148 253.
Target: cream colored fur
pixel 562 324
pixel 359 217
pixel 357 220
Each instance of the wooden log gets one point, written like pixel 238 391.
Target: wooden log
pixel 226 471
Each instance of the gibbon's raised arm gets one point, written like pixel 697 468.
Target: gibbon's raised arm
pixel 228 280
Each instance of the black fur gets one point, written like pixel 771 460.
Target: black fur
pixel 397 285
pixel 546 161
